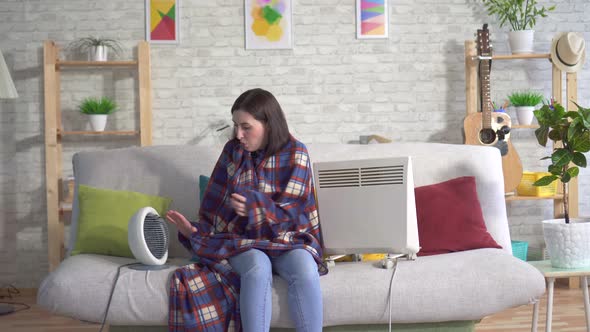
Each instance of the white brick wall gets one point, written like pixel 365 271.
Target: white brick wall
pixel 332 86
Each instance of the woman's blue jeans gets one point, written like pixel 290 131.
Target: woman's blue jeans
pixel 299 269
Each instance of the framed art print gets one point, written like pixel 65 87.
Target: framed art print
pixel 268 24
pixel 372 19
pixel 162 21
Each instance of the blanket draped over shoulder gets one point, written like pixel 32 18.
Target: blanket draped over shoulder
pixel 282 216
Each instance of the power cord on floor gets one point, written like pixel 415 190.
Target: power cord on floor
pixel 6 307
pixel 106 312
pixel 10 290
pixel 24 307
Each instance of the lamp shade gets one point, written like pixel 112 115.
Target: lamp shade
pixel 7 89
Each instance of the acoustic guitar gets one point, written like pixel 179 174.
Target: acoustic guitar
pixel 492 128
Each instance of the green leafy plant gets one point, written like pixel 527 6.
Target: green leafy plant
pixel 525 98
pixel 83 44
pixel 572 130
pixel 520 14
pixel 93 105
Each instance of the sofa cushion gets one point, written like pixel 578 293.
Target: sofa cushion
pixel 203 182
pixel 466 285
pixel 104 216
pixel 450 218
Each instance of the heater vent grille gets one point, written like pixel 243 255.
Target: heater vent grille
pixel 361 176
pixel 155 232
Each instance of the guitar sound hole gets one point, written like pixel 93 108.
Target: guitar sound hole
pixel 487 136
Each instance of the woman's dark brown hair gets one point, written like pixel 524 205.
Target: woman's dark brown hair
pixel 264 107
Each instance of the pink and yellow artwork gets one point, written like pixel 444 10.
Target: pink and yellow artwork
pixel 371 19
pixel 268 24
pixel 162 21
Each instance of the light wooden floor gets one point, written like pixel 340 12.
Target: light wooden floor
pixel 568 315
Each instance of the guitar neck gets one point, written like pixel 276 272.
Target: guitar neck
pixel 486 108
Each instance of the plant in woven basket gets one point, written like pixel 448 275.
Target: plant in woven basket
pixel 92 105
pixel 570 133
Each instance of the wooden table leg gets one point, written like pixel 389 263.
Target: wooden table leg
pixel 584 282
pixel 535 315
pixel 550 282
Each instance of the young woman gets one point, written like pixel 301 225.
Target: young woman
pixel 258 215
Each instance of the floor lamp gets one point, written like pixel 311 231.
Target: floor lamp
pixel 7 91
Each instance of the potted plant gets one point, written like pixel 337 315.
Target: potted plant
pixel 567 239
pixel 524 102
pixel 98 110
pixel 97 47
pixel 522 16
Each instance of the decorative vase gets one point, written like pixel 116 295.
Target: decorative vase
pixel 98 121
pixel 525 115
pixel 521 41
pixel 98 53
pixel 568 244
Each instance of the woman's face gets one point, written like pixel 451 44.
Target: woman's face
pixel 250 132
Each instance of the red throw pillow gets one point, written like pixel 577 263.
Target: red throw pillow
pixel 450 218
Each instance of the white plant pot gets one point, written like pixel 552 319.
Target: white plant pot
pixel 98 121
pixel 521 41
pixel 525 115
pixel 98 53
pixel 568 244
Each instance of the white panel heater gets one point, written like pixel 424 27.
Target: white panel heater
pixel 367 206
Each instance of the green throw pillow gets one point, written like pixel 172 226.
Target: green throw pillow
pixel 104 216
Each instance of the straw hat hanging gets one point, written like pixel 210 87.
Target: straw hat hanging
pixel 568 51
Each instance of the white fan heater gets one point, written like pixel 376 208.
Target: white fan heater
pixel 367 206
pixel 148 239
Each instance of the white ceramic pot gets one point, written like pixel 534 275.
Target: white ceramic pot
pixel 525 115
pixel 98 53
pixel 521 41
pixel 568 244
pixel 98 121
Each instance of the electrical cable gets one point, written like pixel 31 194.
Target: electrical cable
pixel 104 319
pixel 10 291
pixel 25 307
pixel 391 290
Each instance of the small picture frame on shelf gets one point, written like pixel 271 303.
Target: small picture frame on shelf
pixel 162 21
pixel 372 19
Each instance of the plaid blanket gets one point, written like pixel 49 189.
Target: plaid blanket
pixel 282 216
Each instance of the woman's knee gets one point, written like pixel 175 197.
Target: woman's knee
pixel 252 263
pixel 301 265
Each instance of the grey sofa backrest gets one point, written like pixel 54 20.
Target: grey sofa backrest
pixel 173 171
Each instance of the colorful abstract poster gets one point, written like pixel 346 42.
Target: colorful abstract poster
pixel 161 21
pixel 372 19
pixel 268 24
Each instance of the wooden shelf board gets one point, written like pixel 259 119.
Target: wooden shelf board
pixel 65 207
pixel 130 63
pixel 532 198
pixel 99 133
pixel 521 56
pixel 524 126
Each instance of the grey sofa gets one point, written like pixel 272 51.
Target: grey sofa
pixel 451 290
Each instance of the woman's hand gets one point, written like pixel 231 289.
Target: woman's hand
pixel 238 203
pixel 181 223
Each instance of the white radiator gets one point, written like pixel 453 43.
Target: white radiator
pixel 367 206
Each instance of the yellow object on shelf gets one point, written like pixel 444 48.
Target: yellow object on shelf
pixel 526 188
